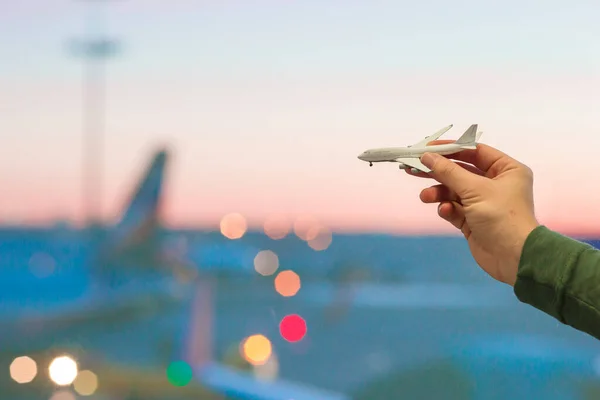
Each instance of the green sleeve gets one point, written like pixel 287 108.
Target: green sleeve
pixel 561 276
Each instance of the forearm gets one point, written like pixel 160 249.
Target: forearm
pixel 561 277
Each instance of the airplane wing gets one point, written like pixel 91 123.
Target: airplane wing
pixel 414 163
pixel 433 137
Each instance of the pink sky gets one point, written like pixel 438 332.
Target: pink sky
pixel 267 115
pixel 277 153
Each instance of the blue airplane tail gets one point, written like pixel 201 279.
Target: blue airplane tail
pixel 143 207
pixel 134 239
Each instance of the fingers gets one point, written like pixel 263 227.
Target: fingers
pixel 448 173
pixel 438 194
pixel 454 213
pixel 488 159
pixel 468 167
pixel 448 212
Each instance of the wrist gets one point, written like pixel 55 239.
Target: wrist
pixel 523 232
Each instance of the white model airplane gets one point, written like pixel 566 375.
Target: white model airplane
pixel 409 157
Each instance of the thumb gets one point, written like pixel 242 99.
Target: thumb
pixel 448 173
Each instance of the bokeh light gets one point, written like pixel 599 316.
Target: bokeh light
pixel 63 395
pixel 63 370
pixel 303 225
pixel 23 369
pixel 268 371
pixel 233 226
pixel 179 373
pixel 277 227
pixel 256 349
pixel 319 238
pixel 292 328
pixel 287 283
pixel 86 383
pixel 266 262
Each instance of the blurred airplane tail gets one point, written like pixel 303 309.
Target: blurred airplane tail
pixel 142 209
pixel 134 238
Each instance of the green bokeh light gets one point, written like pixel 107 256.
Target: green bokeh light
pixel 179 373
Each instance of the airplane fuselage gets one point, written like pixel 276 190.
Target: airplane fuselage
pixel 391 154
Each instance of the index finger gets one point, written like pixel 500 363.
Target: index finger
pixel 484 157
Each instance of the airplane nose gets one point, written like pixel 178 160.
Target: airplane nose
pixel 361 156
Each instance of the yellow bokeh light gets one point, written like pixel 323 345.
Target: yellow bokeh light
pixel 266 262
pixel 63 395
pixel 287 283
pixel 86 383
pixel 233 226
pixel 277 227
pixel 23 369
pixel 256 349
pixel 303 226
pixel 63 370
pixel 321 240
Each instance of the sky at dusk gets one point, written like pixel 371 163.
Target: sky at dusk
pixel 265 105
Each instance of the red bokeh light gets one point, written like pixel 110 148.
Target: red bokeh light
pixel 292 328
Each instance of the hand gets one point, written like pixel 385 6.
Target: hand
pixel 490 199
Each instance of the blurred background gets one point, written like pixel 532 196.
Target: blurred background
pixel 184 215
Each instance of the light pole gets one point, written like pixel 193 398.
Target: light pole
pixel 95 49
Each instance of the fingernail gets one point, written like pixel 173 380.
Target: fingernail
pixel 428 159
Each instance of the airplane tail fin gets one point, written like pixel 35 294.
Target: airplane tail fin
pixel 144 202
pixel 134 238
pixel 468 140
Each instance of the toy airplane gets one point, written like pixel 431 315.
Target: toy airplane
pixel 409 157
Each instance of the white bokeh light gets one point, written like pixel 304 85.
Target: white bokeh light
pixel 266 262
pixel 63 370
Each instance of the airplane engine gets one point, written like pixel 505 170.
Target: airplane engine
pixel 402 166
